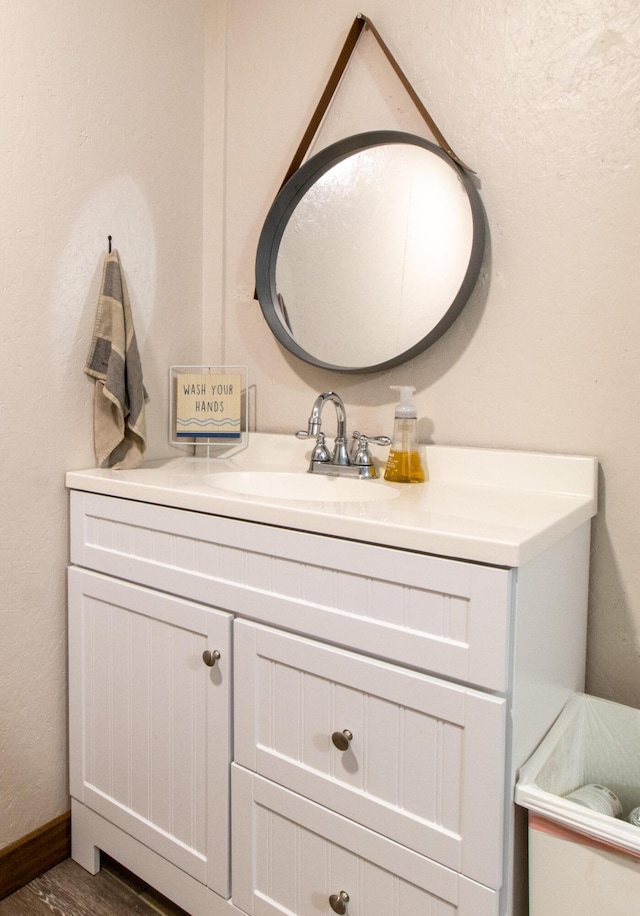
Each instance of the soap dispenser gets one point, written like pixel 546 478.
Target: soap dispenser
pixel 404 465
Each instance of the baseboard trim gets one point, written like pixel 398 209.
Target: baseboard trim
pixel 29 857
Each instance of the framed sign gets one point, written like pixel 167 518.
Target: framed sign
pixel 209 407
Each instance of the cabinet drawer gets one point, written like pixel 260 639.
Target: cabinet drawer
pixel 446 616
pixel 290 856
pixel 425 764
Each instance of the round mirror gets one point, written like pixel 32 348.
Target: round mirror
pixel 369 252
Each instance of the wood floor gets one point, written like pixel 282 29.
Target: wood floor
pixel 68 890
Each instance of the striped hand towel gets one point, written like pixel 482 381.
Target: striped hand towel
pixel 114 362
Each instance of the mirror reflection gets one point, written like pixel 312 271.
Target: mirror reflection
pixel 369 252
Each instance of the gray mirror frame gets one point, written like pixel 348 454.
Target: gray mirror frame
pixel 285 203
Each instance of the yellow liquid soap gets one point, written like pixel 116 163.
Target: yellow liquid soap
pixel 404 467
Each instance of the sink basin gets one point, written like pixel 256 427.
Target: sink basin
pixel 301 486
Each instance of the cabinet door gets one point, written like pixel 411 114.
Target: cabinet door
pixel 423 761
pixel 291 856
pixel 149 720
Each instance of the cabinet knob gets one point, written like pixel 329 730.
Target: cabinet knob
pixel 338 902
pixel 342 740
pixel 210 658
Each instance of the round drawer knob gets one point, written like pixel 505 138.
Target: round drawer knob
pixel 210 658
pixel 342 740
pixel 338 902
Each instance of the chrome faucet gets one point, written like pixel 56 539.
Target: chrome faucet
pixel 353 462
pixel 314 428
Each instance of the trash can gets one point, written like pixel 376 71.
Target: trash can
pixel 582 860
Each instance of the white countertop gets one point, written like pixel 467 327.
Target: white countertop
pixel 485 505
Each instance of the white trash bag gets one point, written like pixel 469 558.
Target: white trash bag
pixel 593 742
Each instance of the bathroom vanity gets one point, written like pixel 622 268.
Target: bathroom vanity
pixel 319 704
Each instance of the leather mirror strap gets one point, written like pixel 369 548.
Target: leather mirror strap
pixel 344 57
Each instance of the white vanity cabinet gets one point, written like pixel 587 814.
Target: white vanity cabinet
pixel 354 747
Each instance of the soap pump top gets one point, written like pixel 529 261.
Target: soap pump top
pixel 405 408
pixel 403 464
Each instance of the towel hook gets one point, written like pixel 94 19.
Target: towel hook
pixel 109 237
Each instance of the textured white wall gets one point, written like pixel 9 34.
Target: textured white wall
pixel 102 133
pixel 541 99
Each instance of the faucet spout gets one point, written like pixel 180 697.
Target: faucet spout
pixel 316 413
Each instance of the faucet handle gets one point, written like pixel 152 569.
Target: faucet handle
pixel 320 452
pixel 358 440
pixel 362 455
pixel 378 440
